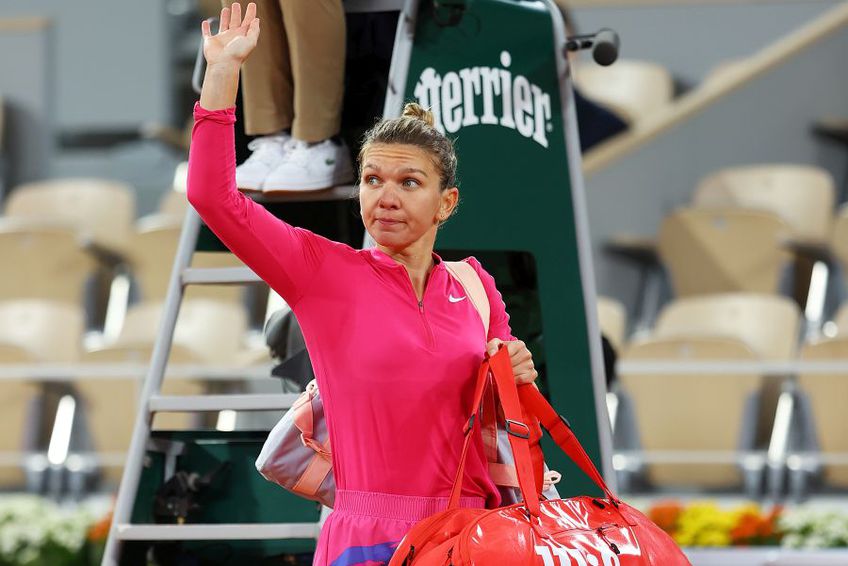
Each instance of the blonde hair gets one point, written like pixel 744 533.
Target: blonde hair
pixel 416 127
pixel 414 110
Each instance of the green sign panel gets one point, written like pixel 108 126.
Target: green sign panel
pixel 493 83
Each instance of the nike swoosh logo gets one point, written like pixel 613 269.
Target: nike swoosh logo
pixel 453 299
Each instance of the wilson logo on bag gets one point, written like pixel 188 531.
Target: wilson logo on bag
pixel 563 556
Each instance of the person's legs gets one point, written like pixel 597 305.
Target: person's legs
pixel 316 41
pixel 266 76
pixel 267 95
pixel 295 79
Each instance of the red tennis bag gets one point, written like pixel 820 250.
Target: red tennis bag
pixel 579 531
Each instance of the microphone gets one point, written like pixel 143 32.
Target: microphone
pixel 605 51
pixel 604 44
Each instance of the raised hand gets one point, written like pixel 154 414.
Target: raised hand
pixel 235 39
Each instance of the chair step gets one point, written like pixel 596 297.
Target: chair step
pixel 244 531
pixel 219 276
pixel 199 403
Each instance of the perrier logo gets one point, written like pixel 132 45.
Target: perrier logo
pixel 487 96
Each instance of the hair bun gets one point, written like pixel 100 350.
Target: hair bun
pixel 415 110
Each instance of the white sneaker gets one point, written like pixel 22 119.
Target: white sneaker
pixel 311 167
pixel 268 154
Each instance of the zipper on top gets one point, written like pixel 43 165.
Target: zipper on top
pixel 612 545
pixel 428 331
pixel 431 341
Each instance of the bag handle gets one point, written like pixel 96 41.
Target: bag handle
pixel 304 421
pixel 499 367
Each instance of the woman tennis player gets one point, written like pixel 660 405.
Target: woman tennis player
pixel 394 340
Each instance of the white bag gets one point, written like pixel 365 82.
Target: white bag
pixel 296 454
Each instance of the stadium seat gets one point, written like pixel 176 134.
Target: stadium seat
pixel 768 324
pixel 97 214
pixel 696 429
pixel 102 211
pixel 207 332
pixel 151 256
pixel 632 89
pixel 826 394
pixel 173 203
pixel 18 397
pixel 723 250
pixel 612 318
pixel 49 331
pixel 802 195
pixel 839 239
pixel 43 262
pixel 31 332
pixel 841 320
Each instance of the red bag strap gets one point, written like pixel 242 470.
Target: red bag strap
pixel 560 431
pixel 512 398
pixel 482 376
pixel 536 454
pixel 499 367
pixel 519 431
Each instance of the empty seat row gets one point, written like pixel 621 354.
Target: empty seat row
pixel 68 240
pixel 766 228
pixel 769 324
pixel 742 225
pixel 56 238
pixel 693 424
pixel 208 332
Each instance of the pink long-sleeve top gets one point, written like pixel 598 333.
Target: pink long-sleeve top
pixel 396 377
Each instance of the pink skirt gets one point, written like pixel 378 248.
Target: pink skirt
pixel 365 528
